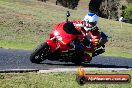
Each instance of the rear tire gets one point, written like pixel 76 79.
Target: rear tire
pixel 77 61
pixel 40 54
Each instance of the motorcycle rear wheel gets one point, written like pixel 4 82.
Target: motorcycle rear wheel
pixel 40 54
pixel 77 61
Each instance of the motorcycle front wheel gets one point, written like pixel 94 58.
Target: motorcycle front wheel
pixel 40 54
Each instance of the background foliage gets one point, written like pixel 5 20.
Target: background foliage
pixel 109 9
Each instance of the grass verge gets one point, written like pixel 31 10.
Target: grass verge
pixel 54 80
pixel 25 24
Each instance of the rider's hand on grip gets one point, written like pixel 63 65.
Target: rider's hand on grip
pixel 95 40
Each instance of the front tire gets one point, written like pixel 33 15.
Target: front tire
pixel 40 54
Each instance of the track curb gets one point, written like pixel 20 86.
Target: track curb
pixel 56 70
pixel 86 69
pixel 18 70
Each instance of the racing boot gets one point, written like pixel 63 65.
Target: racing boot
pixel 99 50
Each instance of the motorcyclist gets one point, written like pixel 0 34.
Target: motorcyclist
pixel 93 37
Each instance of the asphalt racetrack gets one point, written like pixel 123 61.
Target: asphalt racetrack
pixel 19 59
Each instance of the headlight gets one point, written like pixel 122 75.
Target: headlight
pixel 56 33
pixel 59 38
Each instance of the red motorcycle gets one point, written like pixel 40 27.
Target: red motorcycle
pixel 66 43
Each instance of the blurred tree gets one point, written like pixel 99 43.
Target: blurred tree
pixel 43 0
pixel 127 14
pixel 72 4
pixel 94 6
pixel 110 9
pixel 106 8
pixel 129 1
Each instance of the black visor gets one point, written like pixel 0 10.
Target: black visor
pixel 92 23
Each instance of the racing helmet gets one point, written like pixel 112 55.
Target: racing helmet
pixel 90 21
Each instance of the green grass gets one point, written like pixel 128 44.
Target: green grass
pixel 54 80
pixel 117 52
pixel 25 24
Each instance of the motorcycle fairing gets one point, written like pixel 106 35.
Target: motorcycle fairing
pixel 52 45
pixel 67 31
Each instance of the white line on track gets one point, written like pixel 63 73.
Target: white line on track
pixel 75 69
